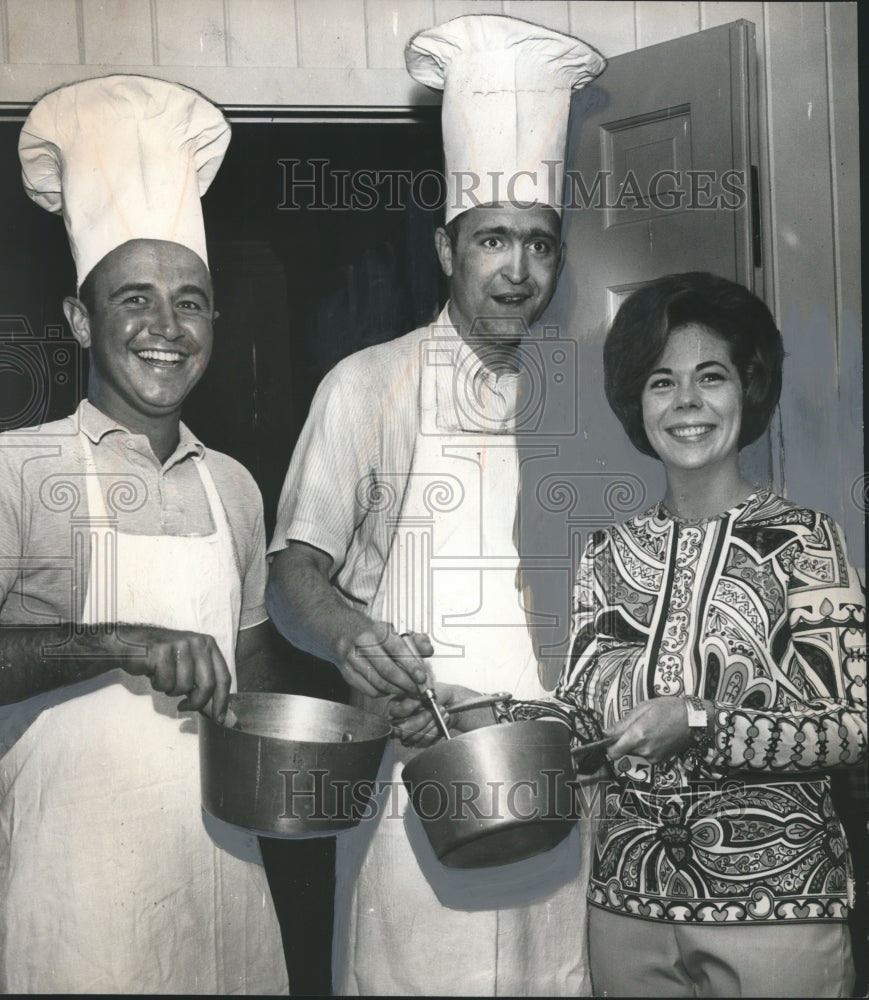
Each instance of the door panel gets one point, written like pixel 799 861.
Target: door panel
pixel 658 177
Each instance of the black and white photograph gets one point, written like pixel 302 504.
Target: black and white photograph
pixel 432 498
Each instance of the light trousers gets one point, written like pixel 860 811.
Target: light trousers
pixel 630 956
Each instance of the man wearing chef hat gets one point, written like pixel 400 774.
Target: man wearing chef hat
pixel 109 880
pixel 394 552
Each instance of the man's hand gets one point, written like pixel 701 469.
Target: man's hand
pixel 378 661
pixel 309 611
pixel 413 721
pixel 656 730
pixel 177 663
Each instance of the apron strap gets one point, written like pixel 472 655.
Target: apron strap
pixel 102 532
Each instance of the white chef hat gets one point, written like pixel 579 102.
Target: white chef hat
pixel 123 158
pixel 507 86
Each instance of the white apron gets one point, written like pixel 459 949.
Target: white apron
pixel 405 924
pixel 109 881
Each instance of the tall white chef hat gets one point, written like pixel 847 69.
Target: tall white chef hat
pixel 122 158
pixel 507 86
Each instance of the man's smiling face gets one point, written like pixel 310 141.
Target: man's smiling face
pixel 149 329
pixel 503 269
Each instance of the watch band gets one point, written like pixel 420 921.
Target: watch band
pixel 698 726
pixel 697 715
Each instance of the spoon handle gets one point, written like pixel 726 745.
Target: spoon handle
pixel 429 697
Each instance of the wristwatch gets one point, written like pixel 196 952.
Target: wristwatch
pixel 698 727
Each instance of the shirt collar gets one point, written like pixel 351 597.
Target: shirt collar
pixel 97 425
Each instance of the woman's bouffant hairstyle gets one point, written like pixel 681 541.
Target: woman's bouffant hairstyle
pixel 646 319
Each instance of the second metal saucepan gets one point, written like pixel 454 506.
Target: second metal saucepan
pixel 495 795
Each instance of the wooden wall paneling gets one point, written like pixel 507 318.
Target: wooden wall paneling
pixel 659 20
pixel 715 12
pixel 4 33
pixel 388 26
pixel 608 25
pixel 331 33
pixel 190 34
pixel 551 13
pixel 234 85
pixel 117 31
pixel 42 31
pixel 262 33
pixel 447 9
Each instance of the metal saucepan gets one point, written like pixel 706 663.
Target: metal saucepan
pixel 495 795
pixel 290 764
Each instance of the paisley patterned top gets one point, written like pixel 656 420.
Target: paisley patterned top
pixel 758 611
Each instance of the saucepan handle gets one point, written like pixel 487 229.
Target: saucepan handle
pixel 493 701
pixel 591 757
pixel 481 701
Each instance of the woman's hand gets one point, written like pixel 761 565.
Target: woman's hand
pixel 656 730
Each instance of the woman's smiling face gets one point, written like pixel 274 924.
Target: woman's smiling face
pixel 692 401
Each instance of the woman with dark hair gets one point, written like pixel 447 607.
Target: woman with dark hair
pixel 643 326
pixel 718 639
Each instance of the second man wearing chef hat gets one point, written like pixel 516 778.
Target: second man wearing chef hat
pixel 109 881
pixel 408 462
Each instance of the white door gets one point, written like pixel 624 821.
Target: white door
pixel 659 180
